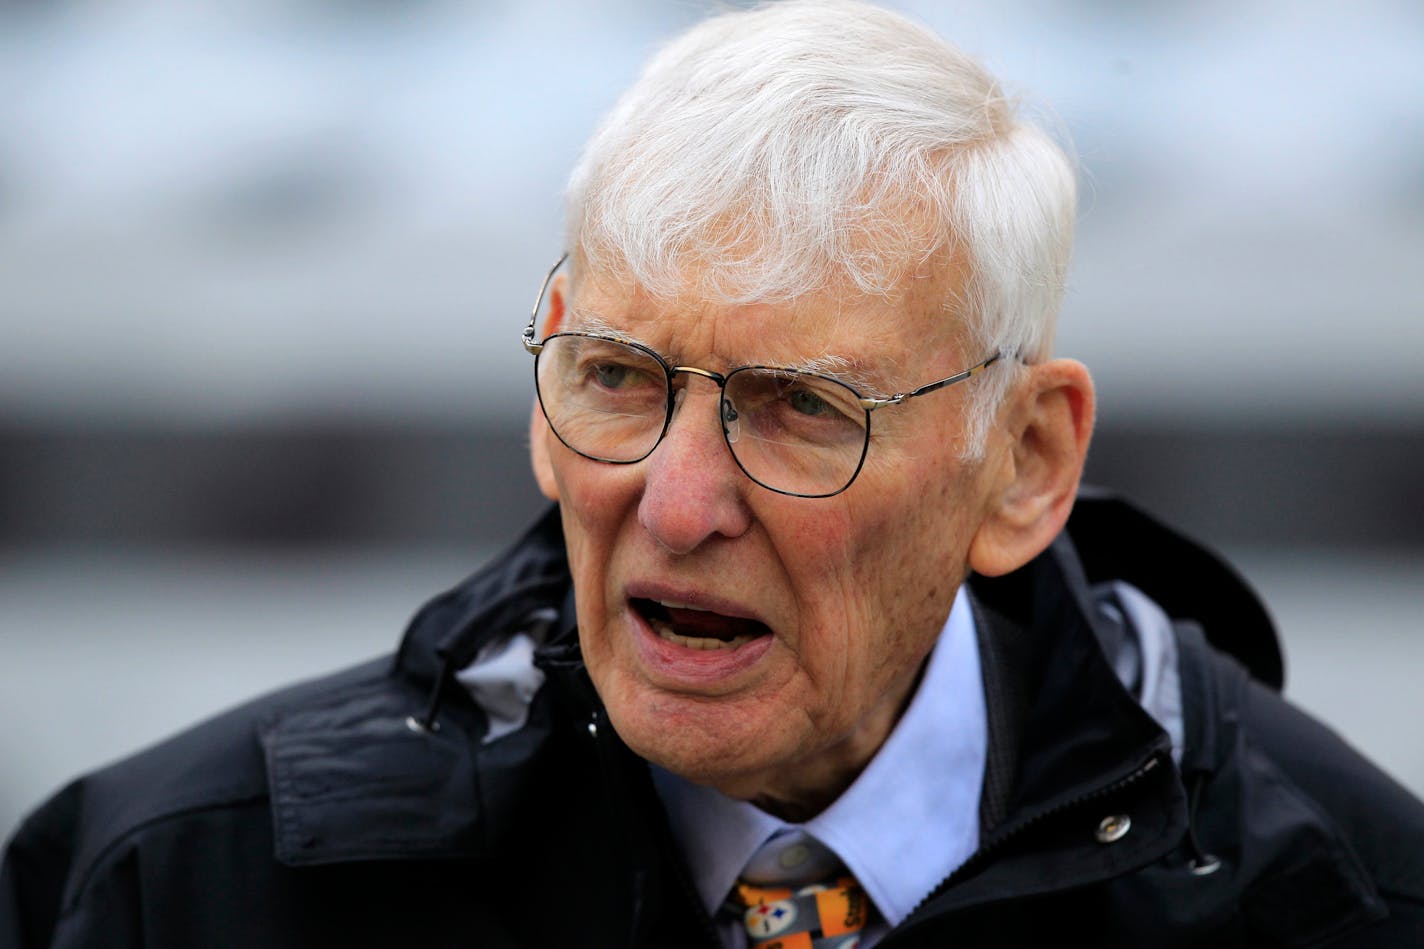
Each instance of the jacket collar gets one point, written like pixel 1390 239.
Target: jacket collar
pixel 1070 748
pixel 1062 728
pixel 1115 540
pixel 1061 724
pixel 489 604
pixel 390 765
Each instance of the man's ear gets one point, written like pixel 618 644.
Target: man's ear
pixel 539 431
pixel 1034 476
pixel 539 435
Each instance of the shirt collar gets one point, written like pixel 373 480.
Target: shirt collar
pixel 909 819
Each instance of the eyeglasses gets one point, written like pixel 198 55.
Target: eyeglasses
pixel 791 431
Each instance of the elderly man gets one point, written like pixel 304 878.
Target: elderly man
pixel 815 648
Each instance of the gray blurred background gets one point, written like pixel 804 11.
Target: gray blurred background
pixel 263 266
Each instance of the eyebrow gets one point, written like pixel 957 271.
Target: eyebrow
pixel 585 321
pixel 853 372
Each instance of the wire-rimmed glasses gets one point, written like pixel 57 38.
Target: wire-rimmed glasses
pixel 791 431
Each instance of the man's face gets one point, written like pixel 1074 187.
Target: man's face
pixel 834 602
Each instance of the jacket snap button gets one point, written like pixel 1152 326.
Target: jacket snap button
pixel 1206 864
pixel 1113 828
pixel 420 727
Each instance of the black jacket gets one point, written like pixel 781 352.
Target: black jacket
pixel 362 810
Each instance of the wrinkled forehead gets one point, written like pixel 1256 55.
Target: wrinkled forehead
pixel 921 313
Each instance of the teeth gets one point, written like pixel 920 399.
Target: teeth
pixel 696 642
pixel 674 605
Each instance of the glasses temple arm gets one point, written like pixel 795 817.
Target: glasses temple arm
pixel 872 404
pixel 527 337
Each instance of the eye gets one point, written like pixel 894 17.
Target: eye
pixel 806 402
pixel 614 376
pixel 618 372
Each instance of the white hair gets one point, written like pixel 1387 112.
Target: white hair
pixel 812 144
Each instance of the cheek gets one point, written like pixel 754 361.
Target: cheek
pixel 905 566
pixel 844 565
pixel 596 504
pixel 822 548
pixel 593 496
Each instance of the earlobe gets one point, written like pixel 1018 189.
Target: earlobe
pixel 539 435
pixel 1036 480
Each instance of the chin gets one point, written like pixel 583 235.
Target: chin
pixel 702 740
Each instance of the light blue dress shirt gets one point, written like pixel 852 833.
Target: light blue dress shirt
pixel 907 822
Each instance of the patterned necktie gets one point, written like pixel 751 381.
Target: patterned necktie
pixel 780 910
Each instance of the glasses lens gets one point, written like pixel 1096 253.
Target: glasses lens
pixel 604 399
pixel 795 432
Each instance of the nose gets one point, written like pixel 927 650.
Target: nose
pixel 693 490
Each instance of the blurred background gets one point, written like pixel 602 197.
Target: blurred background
pixel 263 266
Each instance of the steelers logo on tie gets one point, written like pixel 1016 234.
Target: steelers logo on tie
pixel 770 919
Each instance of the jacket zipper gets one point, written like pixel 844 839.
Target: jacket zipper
pixel 984 854
pixel 707 927
pixel 666 849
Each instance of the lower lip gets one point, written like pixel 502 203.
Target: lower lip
pixel 693 667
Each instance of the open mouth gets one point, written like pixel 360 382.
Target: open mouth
pixel 695 628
